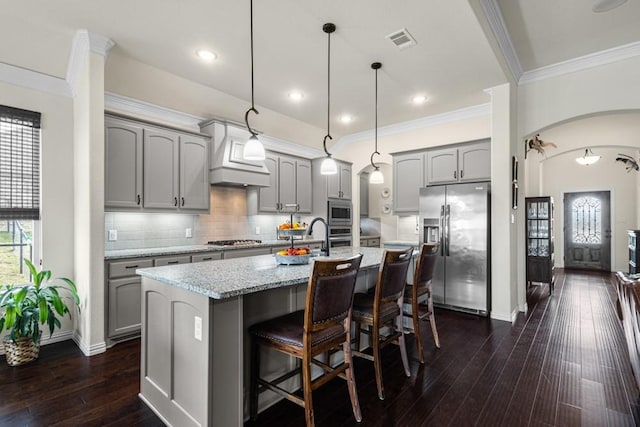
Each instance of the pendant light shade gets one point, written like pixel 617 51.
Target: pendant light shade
pixel 328 166
pixel 588 159
pixel 376 177
pixel 253 149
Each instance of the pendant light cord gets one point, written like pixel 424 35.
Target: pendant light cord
pixel 328 28
pixel 253 108
pixel 376 66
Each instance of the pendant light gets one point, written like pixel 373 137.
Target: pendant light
pixel 253 149
pixel 328 166
pixel 588 159
pixel 376 177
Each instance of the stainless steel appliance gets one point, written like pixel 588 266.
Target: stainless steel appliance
pixel 339 212
pixel 227 243
pixel 340 236
pixel 458 216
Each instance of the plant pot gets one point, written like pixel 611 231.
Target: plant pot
pixel 22 351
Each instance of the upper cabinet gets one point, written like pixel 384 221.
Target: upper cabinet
pixel 339 184
pixel 325 187
pixel 290 185
pixel 469 162
pixel 408 178
pixel 364 194
pixel 149 168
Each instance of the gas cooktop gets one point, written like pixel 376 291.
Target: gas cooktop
pixel 248 242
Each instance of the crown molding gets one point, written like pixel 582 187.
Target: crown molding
pixel 100 44
pixel 424 122
pixel 580 63
pixel 79 49
pixel 29 79
pixel 282 146
pixel 124 104
pixel 496 22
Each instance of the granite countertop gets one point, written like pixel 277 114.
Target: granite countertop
pixel 401 243
pixel 232 277
pixel 177 250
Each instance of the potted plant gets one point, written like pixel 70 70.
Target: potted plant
pixel 23 308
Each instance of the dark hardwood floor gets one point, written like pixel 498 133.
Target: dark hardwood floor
pixel 564 363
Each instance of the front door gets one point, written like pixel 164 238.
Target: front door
pixel 587 230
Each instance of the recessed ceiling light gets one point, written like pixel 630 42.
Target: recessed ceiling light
pixel 419 99
pixel 205 55
pixel 295 95
pixel 345 118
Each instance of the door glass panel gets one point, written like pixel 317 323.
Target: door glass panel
pixel 586 213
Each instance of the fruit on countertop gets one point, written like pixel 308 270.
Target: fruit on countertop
pixel 296 226
pixel 294 251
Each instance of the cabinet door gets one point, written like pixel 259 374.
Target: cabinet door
pixel 474 162
pixel 345 181
pixel 408 178
pixel 123 164
pixel 160 169
pixel 333 185
pixel 442 166
pixel 194 173
pixel 124 306
pixel 303 185
pixel 364 195
pixel 268 196
pixel 287 182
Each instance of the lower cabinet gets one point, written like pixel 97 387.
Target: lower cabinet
pixel 241 253
pixel 124 306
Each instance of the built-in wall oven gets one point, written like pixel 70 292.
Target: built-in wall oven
pixel 339 236
pixel 339 212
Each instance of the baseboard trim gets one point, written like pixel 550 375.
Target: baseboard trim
pixel 155 411
pixel 511 318
pixel 46 339
pixel 91 350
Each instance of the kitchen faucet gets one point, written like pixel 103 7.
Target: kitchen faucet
pixel 325 246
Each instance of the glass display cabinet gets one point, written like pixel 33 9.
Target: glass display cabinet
pixel 634 268
pixel 539 232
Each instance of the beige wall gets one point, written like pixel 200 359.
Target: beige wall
pixel 57 211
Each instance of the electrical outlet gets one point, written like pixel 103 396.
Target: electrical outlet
pixel 113 235
pixel 257 230
pixel 197 328
pixel 187 233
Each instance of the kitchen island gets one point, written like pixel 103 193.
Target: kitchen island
pixel 194 331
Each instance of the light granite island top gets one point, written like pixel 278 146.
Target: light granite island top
pixel 233 277
pixel 194 348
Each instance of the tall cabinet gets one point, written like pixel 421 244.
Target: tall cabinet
pixel 634 253
pixel 540 244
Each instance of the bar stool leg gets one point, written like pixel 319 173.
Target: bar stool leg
pixel 432 320
pixel 351 381
pixel 357 336
pixel 306 387
pixel 403 348
pixel 416 329
pixel 255 374
pixel 377 362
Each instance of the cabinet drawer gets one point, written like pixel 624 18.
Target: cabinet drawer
pixel 374 243
pixel 364 243
pixel 185 259
pixel 206 257
pixel 128 267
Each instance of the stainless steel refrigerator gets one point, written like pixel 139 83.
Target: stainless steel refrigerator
pixel 458 216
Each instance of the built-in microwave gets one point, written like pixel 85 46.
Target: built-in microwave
pixel 339 212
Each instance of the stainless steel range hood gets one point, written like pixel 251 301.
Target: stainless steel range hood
pixel 227 167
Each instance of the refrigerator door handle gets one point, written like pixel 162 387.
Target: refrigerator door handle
pixel 442 231
pixel 448 228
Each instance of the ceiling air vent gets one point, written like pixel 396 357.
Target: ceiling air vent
pixel 402 38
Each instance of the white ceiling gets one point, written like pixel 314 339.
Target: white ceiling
pixel 452 64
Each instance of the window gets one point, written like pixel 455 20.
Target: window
pixel 19 190
pixel 587 220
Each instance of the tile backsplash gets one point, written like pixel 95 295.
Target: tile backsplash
pixel 228 220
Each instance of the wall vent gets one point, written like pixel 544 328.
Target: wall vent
pixel 402 39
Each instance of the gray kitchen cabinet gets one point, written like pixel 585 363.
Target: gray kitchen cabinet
pixel 408 178
pixel 290 184
pixel 173 260
pixel 464 163
pixel 210 256
pixel 123 164
pixel 194 173
pixel 297 243
pixel 241 253
pixel 338 186
pixel 364 194
pixel 161 155
pixel 124 306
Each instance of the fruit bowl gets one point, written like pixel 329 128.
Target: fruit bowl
pixel 292 259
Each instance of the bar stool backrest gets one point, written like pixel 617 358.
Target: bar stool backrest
pixel 330 292
pixel 426 263
pixel 392 275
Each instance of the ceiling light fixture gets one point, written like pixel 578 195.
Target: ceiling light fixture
pixel 328 166
pixel 345 118
pixel 296 96
pixel 253 149
pixel 376 177
pixel 419 99
pixel 588 159
pixel 206 55
pixel 606 5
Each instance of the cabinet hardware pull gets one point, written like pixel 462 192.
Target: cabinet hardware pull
pixel 172 262
pixel 298 207
pixel 138 199
pixel 455 174
pixel 207 259
pixel 461 174
pixel 183 201
pixel 131 266
pixel 175 201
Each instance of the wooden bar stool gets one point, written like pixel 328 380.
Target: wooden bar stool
pixel 383 308
pixel 324 324
pixel 420 296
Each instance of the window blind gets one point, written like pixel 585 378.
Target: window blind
pixel 19 164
